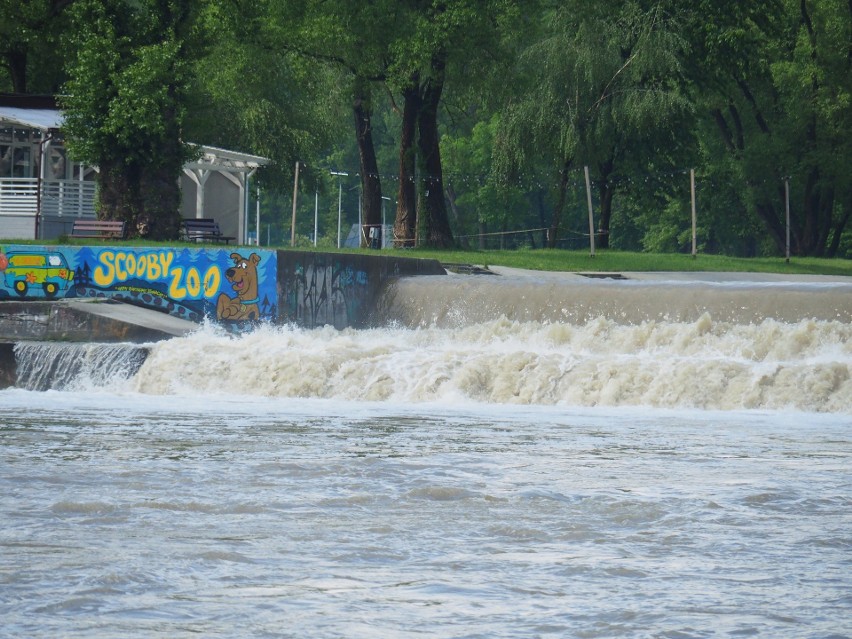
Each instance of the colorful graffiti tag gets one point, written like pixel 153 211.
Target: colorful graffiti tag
pixel 229 285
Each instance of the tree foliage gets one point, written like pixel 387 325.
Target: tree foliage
pixel 482 112
pixel 31 46
pixel 126 105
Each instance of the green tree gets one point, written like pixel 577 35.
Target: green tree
pixel 773 78
pixel 349 42
pixel 31 44
pixel 126 105
pixel 604 89
pixel 252 91
pixel 448 40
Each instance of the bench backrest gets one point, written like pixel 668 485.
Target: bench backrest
pixel 105 227
pixel 201 224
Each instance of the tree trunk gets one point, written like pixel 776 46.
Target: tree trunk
pixel 146 196
pixel 451 200
pixel 16 59
pixel 542 214
pixel 146 199
pixel 437 224
pixel 118 192
pixel 842 222
pixel 371 187
pixel 405 223
pixel 606 192
pixel 159 216
pixel 767 213
pixel 826 208
pixel 556 218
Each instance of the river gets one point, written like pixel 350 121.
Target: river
pixel 459 472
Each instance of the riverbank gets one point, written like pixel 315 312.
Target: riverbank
pixel 610 261
pixel 607 260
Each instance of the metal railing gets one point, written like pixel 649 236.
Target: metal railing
pixel 59 198
pixel 72 198
pixel 18 196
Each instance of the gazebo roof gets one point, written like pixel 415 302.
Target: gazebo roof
pixel 32 112
pixel 225 160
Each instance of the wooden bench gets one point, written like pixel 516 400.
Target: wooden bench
pixel 204 229
pixel 98 229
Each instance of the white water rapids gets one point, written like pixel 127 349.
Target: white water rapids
pixel 710 347
pixel 701 364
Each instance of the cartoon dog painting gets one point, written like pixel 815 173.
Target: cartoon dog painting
pixel 244 281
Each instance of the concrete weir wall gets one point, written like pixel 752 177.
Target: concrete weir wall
pixel 110 293
pixel 320 289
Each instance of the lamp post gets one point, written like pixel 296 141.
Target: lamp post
pixel 382 245
pixel 339 174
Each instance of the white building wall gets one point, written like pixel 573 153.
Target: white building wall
pixel 222 203
pixel 17 227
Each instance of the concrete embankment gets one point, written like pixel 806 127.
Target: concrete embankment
pixel 77 320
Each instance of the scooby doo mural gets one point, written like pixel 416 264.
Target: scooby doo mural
pixel 220 284
pixel 243 278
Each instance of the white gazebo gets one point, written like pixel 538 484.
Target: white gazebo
pixel 42 190
pixel 216 185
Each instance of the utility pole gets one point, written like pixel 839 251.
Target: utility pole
pixel 339 174
pixel 295 193
pixel 591 212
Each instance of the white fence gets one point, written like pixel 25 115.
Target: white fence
pixel 59 198
pixel 18 196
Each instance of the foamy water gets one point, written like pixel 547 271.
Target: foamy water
pixel 701 364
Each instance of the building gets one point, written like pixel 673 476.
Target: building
pixel 42 190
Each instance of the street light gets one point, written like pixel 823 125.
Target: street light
pixel 383 220
pixel 339 174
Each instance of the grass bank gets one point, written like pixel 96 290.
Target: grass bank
pixel 608 261
pixel 621 261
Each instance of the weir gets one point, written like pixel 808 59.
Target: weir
pixel 662 339
pixel 638 297
pixel 44 366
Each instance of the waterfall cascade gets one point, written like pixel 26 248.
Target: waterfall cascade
pixel 65 366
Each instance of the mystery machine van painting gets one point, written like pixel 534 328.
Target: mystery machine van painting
pixel 230 287
pixel 36 273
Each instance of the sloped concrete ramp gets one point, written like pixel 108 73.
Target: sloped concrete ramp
pixel 79 320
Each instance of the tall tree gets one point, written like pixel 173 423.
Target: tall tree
pixel 125 105
pixel 405 221
pixel 449 44
pixel 352 39
pixel 252 91
pixel 772 77
pixel 604 81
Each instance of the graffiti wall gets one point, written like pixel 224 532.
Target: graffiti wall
pixel 224 284
pixel 323 292
pixel 340 290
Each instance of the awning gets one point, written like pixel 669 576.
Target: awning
pixel 44 119
pixel 213 158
